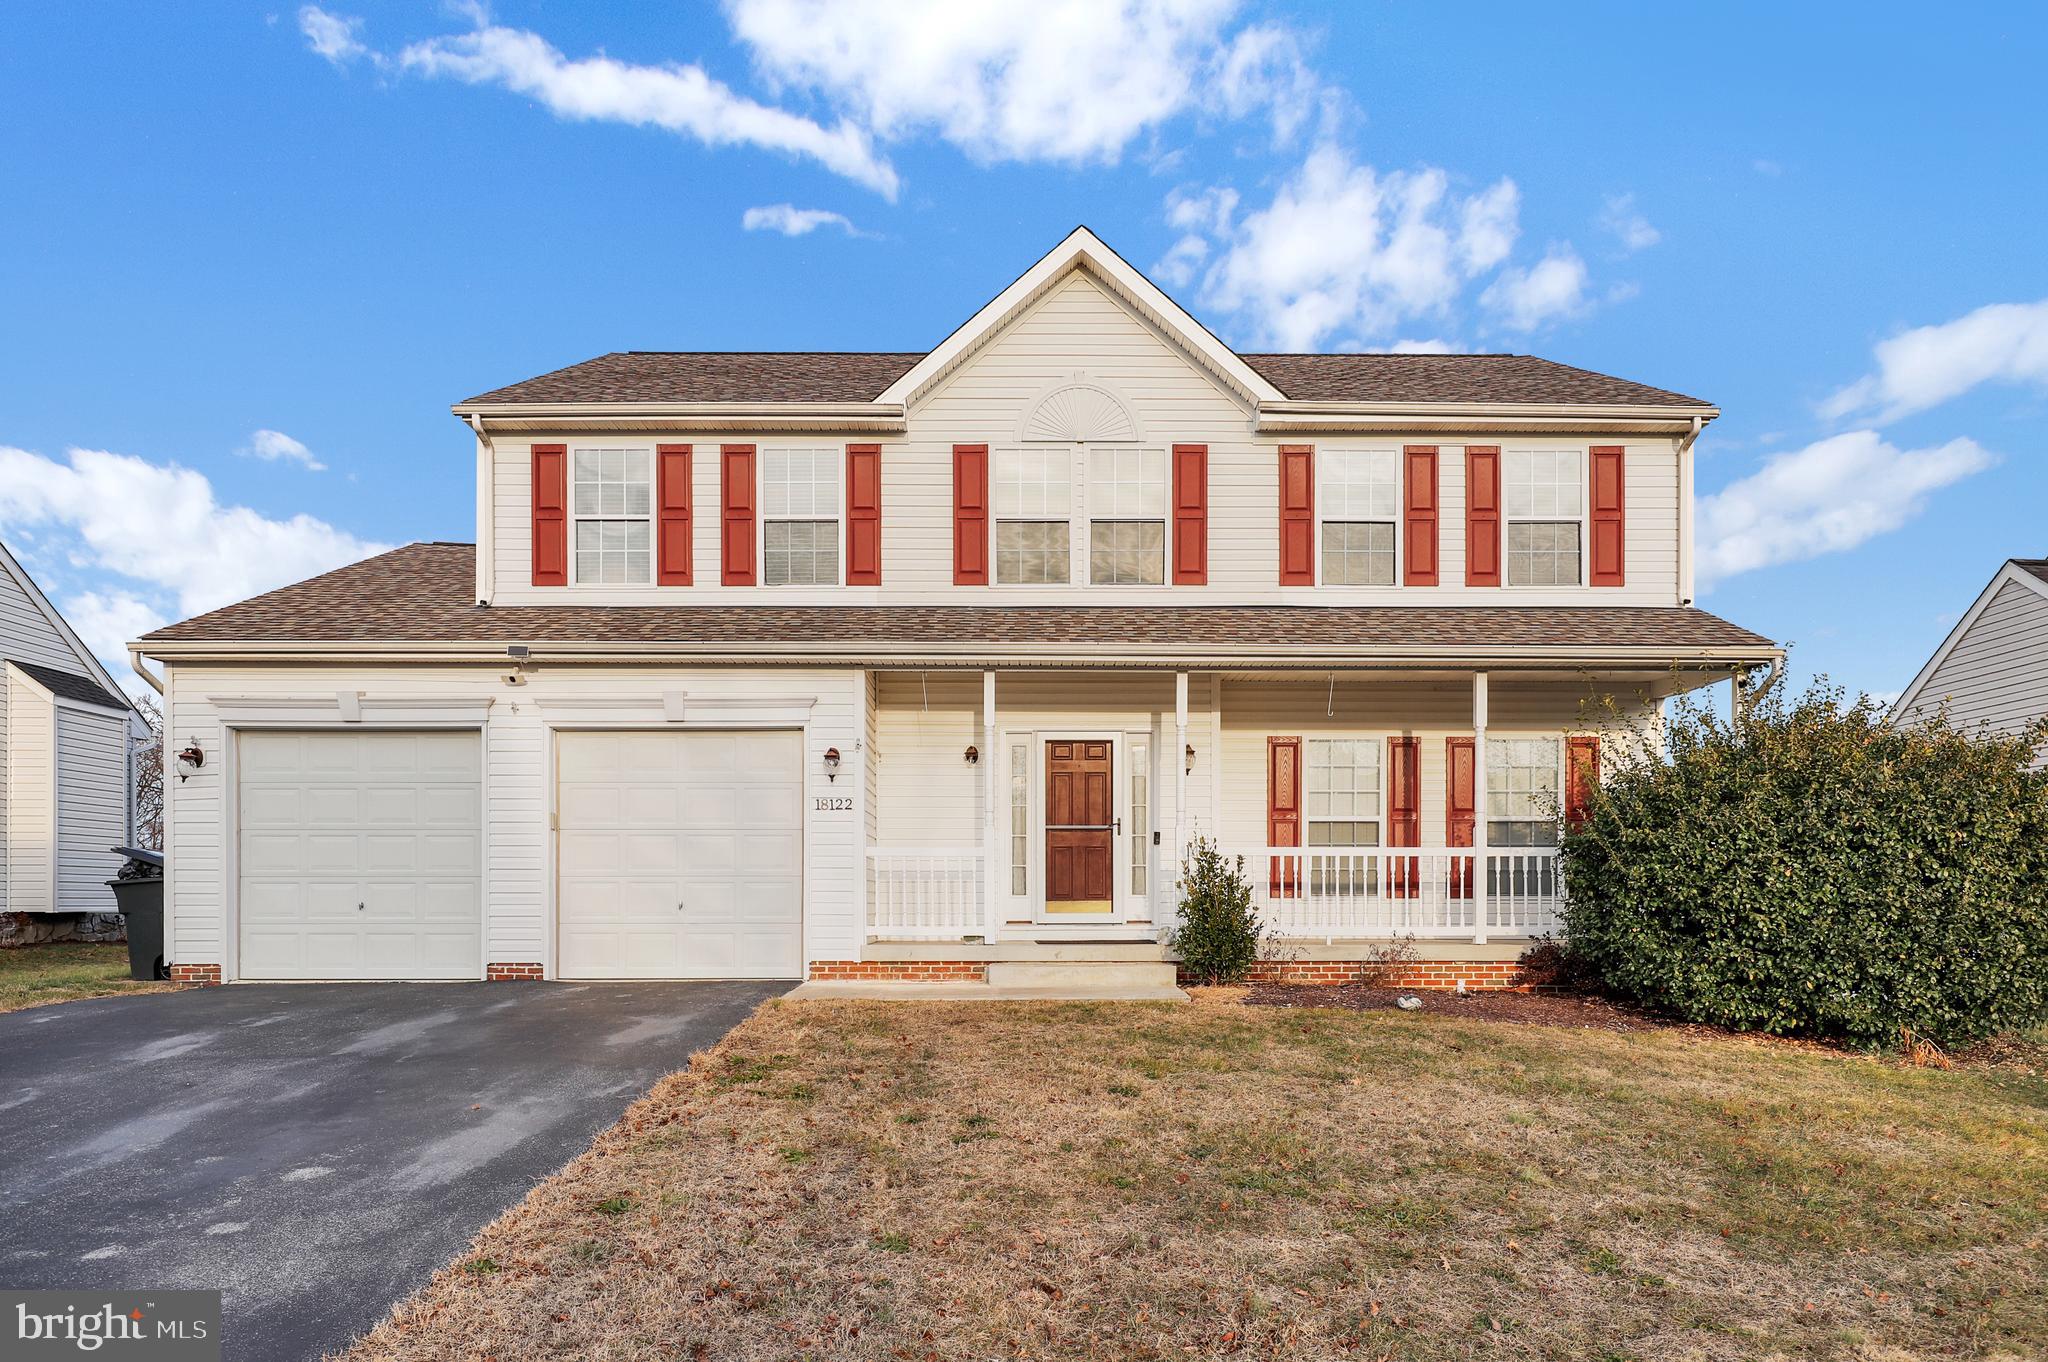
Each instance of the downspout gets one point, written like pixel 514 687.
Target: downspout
pixel 135 661
pixel 1686 576
pixel 486 478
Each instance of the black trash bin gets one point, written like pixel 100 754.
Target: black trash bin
pixel 139 894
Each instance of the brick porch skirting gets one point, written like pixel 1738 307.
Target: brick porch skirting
pixel 499 973
pixel 195 974
pixel 901 971
pixel 1476 974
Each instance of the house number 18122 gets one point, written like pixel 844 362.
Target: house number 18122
pixel 833 804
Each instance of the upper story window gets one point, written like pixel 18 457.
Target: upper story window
pixel 1033 497
pixel 800 497
pixel 1358 500
pixel 613 503
pixel 1127 517
pixel 1521 791
pixel 1543 500
pixel 1343 807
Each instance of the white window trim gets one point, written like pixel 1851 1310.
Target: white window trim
pixel 1379 817
pixel 1084 566
pixel 761 519
pixel 1077 522
pixel 1400 521
pixel 1560 769
pixel 1585 459
pixel 653 512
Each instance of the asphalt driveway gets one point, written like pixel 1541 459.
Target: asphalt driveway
pixel 315 1151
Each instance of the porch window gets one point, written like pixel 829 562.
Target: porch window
pixel 1034 505
pixel 613 504
pixel 1127 517
pixel 1521 792
pixel 1543 498
pixel 1359 500
pixel 800 517
pixel 1141 813
pixel 1020 818
pixel 1343 792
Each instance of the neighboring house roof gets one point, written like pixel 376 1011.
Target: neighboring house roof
pixel 88 664
pixel 68 686
pixel 422 593
pixel 2028 573
pixel 842 376
pixel 2036 567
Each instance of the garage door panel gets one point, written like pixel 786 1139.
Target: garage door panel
pixel 680 855
pixel 360 855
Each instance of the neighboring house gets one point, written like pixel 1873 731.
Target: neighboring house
pixel 908 666
pixel 66 792
pixel 1991 672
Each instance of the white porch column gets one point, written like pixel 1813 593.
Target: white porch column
pixel 1180 769
pixel 988 801
pixel 1482 896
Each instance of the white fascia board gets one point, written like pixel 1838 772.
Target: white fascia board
pixel 1286 418
pixel 99 673
pixel 2010 572
pixel 1082 248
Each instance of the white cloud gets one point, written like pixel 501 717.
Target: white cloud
pixel 791 220
pixel 1064 80
pixel 677 97
pixel 1825 498
pixel 333 36
pixel 159 526
pixel 108 622
pixel 274 445
pixel 1929 365
pixel 1342 248
pixel 1432 346
pixel 1525 299
pixel 1621 217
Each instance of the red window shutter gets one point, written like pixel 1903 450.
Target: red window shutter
pixel 1404 811
pixel 672 515
pixel 970 515
pixel 1482 515
pixel 1190 515
pixel 1283 809
pixel 551 515
pixel 736 519
pixel 1297 515
pixel 1418 528
pixel 863 515
pixel 1581 774
pixel 1609 548
pixel 1461 809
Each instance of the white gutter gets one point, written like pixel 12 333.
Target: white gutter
pixel 1687 572
pixel 486 518
pixel 135 656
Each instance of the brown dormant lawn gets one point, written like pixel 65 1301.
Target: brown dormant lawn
pixel 1092 1180
pixel 65 971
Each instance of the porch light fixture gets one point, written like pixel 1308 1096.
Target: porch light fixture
pixel 973 754
pixel 190 760
pixel 831 763
pixel 1189 769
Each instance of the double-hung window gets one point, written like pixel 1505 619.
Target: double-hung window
pixel 800 517
pixel 1359 501
pixel 1126 517
pixel 1034 507
pixel 1521 791
pixel 1343 807
pixel 1543 499
pixel 612 501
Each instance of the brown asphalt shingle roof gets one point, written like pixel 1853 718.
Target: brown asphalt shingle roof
pixel 842 376
pixel 423 593
pixel 2037 566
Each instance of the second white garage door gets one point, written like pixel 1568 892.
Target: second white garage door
pixel 681 855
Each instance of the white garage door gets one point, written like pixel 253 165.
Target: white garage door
pixel 681 855
pixel 361 855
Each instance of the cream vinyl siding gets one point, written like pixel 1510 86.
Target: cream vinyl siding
pixel 1080 328
pixel 92 808
pixel 1996 675
pixel 26 634
pixel 518 844
pixel 31 754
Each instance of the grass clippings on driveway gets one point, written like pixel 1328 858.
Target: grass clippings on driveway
pixel 937 1181
pixel 63 971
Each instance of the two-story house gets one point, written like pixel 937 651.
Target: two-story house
pixel 927 666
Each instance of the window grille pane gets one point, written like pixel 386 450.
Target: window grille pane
pixel 1359 484
pixel 1543 484
pixel 1127 552
pixel 607 486
pixel 1343 791
pixel 1543 553
pixel 800 552
pixel 1127 484
pixel 1141 813
pixel 1031 484
pixel 1032 551
pixel 1522 791
pixel 1020 817
pixel 1358 554
pixel 800 484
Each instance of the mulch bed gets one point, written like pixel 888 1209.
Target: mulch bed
pixel 1579 1010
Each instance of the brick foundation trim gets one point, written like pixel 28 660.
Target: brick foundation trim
pixel 899 971
pixel 1419 974
pixel 195 974
pixel 500 973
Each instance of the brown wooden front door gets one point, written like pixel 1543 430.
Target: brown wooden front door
pixel 1080 826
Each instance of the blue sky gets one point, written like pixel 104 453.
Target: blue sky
pixel 242 242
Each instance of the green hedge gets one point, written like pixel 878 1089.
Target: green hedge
pixel 1815 871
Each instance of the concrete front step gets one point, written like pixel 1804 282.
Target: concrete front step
pixel 1153 973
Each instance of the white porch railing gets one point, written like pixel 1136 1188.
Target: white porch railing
pixel 925 894
pixel 1336 893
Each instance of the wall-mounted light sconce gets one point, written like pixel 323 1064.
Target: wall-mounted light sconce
pixel 973 754
pixel 1190 767
pixel 831 763
pixel 190 760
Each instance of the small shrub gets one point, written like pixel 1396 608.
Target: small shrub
pixel 1816 870
pixel 1218 934
pixel 1552 963
pixel 1385 966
